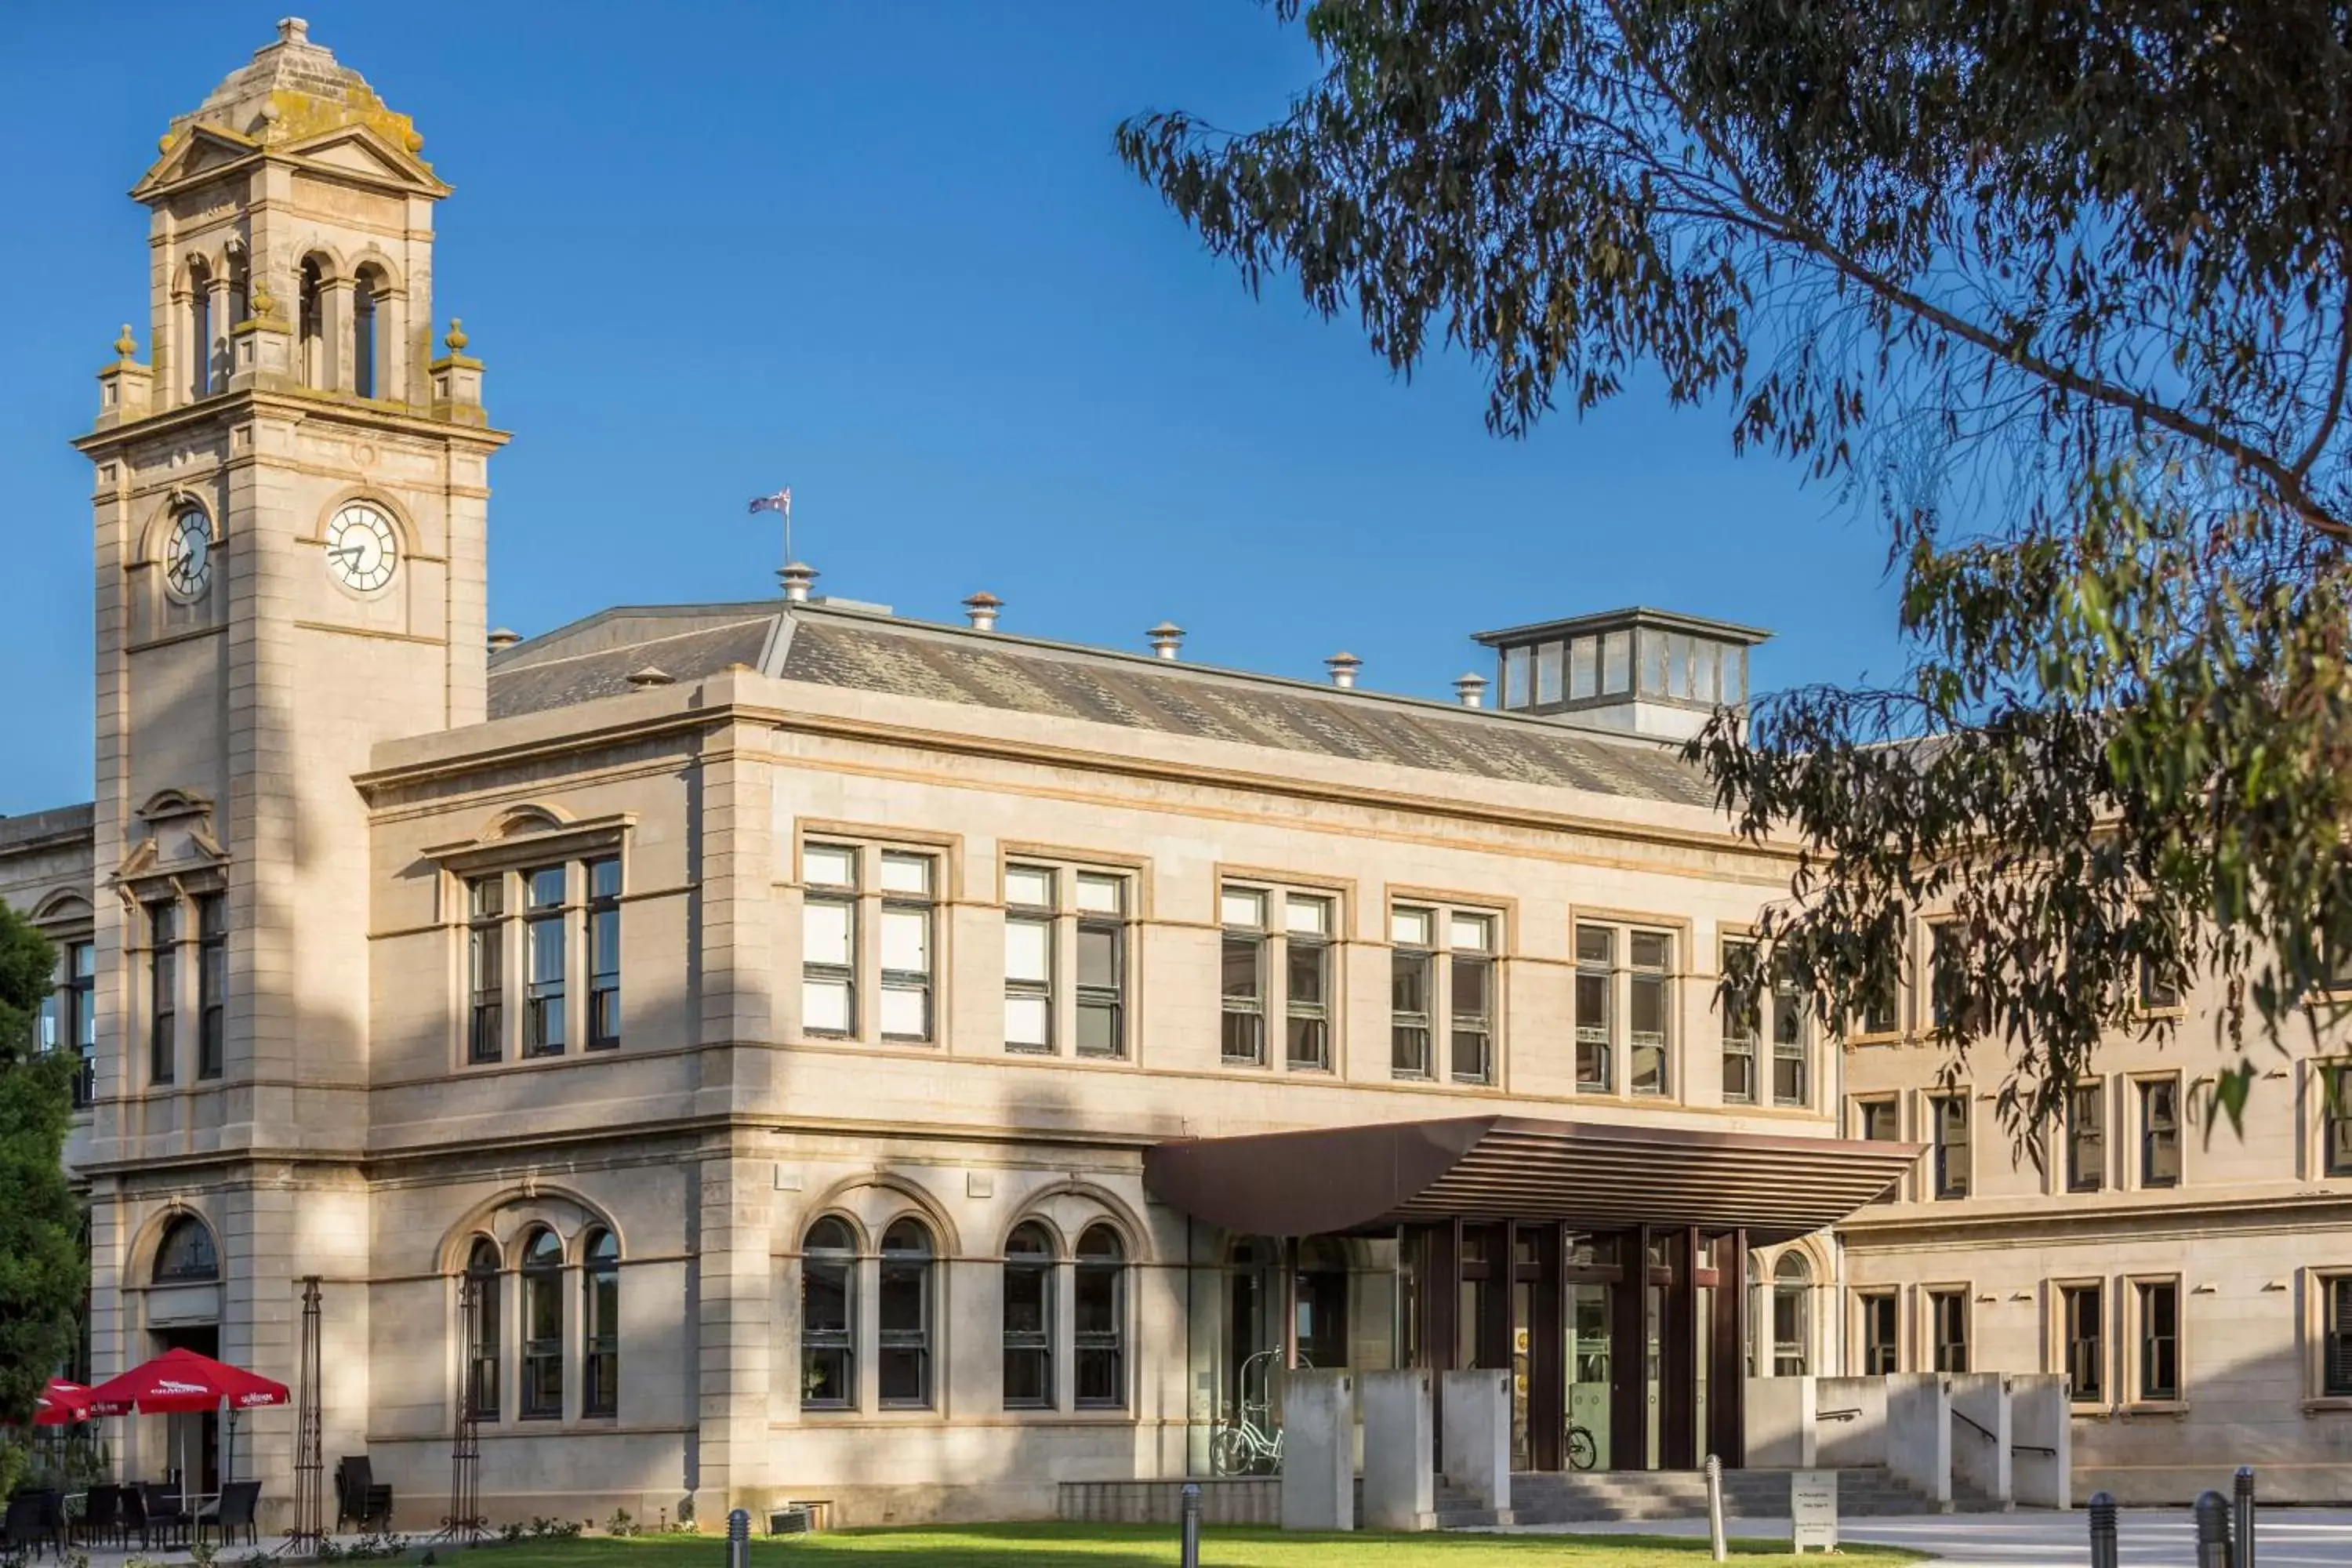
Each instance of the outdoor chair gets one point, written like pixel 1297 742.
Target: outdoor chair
pixel 102 1516
pixel 163 1518
pixel 232 1513
pixel 358 1497
pixel 22 1530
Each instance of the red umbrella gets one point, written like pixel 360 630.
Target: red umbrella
pixel 181 1381
pixel 60 1402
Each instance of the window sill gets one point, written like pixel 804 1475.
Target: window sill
pixel 2156 1409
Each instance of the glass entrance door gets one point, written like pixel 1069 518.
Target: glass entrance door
pixel 1587 1362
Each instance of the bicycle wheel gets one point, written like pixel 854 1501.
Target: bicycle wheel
pixel 1581 1451
pixel 1229 1452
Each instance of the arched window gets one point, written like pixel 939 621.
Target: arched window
pixel 600 1301
pixel 543 1326
pixel 1100 1336
pixel 1791 1315
pixel 828 1316
pixel 186 1255
pixel 200 328
pixel 310 319
pixel 906 1310
pixel 365 377
pixel 1029 1319
pixel 485 1282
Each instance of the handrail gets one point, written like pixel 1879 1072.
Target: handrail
pixel 1961 1417
pixel 1852 1414
pixel 2031 1448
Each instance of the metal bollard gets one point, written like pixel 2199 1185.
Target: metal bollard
pixel 2244 1488
pixel 2103 1529
pixel 2212 1511
pixel 739 1540
pixel 1189 1552
pixel 1717 1548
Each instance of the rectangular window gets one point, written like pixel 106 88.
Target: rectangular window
pixel 1515 678
pixel 2159 1340
pixel 1947 1115
pixel 2160 1132
pixel 1948 1311
pixel 1411 974
pixel 1307 991
pixel 1583 669
pixel 1791 1042
pixel 1876 1122
pixel 2335 1119
pixel 1242 981
pixel 2157 993
pixel 603 954
pixel 1616 662
pixel 1882 1003
pixel 2082 1314
pixel 2335 1347
pixel 829 939
pixel 906 930
pixel 828 1326
pixel 80 994
pixel 1470 1024
pixel 542 929
pixel 2086 1137
pixel 1948 983
pixel 1595 1018
pixel 485 967
pixel 1102 965
pixel 904 1369
pixel 1029 905
pixel 212 983
pixel 163 990
pixel 1649 1006
pixel 1547 672
pixel 1098 1337
pixel 1881 1334
pixel 1029 1332
pixel 1741 1027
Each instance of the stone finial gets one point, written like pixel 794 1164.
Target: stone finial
pixel 163 143
pixel 126 345
pixel 456 336
pixel 1167 638
pixel 1343 666
pixel 651 675
pixel 1470 690
pixel 797 577
pixel 981 610
pixel 264 303
pixel 293 30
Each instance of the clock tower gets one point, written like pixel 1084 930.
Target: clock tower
pixel 291 513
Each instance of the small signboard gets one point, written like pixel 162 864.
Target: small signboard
pixel 1812 1511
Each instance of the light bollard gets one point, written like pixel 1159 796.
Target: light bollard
pixel 2103 1529
pixel 1718 1548
pixel 2244 1487
pixel 739 1540
pixel 2212 1511
pixel 1189 1553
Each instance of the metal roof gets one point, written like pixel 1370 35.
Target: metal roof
pixel 1598 1176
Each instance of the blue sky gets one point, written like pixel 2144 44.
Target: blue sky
pixel 884 253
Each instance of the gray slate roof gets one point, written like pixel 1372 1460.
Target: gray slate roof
pixel 865 651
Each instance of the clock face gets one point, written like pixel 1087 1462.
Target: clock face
pixel 188 555
pixel 361 550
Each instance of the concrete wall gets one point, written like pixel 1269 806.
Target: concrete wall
pixel 1847 1442
pixel 2038 1420
pixel 1981 1434
pixel 1781 1433
pixel 1919 1434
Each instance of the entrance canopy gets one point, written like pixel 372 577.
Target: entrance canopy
pixel 1602 1176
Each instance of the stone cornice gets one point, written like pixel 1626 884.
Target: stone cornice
pixel 301 404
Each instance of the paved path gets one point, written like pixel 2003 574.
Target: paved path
pixel 2151 1538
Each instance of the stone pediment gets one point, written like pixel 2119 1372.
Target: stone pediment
pixel 198 151
pixel 176 844
pixel 361 151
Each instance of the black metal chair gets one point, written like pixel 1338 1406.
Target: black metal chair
pixel 102 1516
pixel 165 1515
pixel 232 1513
pixel 358 1499
pixel 131 1515
pixel 23 1530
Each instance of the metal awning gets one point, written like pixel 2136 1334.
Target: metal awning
pixel 1600 1176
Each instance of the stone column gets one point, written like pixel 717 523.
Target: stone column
pixel 1318 1472
pixel 1400 1476
pixel 1477 1406
pixel 217 319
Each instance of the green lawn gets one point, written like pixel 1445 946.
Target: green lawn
pixel 1123 1546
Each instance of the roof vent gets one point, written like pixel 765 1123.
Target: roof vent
pixel 981 610
pixel 1343 666
pixel 1166 639
pixel 797 577
pixel 651 675
pixel 1470 690
pixel 1651 672
pixel 502 639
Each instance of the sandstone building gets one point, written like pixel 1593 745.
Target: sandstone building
pixel 834 1046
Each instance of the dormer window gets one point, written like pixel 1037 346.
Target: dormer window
pixel 1646 671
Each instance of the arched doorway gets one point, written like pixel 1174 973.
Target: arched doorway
pixel 183 1311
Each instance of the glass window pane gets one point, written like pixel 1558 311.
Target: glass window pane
pixel 1703 666
pixel 1472 933
pixel 824 1005
pixel 1101 895
pixel 1028 1021
pixel 1029 885
pixel 544 887
pixel 1098 1028
pixel 906 873
pixel 1304 916
pixel 1409 982
pixel 604 879
pixel 1307 966
pixel 1409 927
pixel 1651 950
pixel 1593 945
pixel 906 1013
pixel 1616 662
pixel 1243 907
pixel 1028 950
pixel 829 866
pixel 1099 953
pixel 1547 672
pixel 1583 669
pixel 1646 1006
pixel 824 933
pixel 907 941
pixel 1515 678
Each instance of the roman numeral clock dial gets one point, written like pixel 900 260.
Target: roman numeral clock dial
pixel 363 552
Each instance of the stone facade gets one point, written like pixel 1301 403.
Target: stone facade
pixel 341 1084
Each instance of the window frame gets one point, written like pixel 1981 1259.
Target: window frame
pixel 2331 1080
pixel 1067 925
pixel 1274 941
pixel 486 967
pixel 1422 1042
pixel 2326 1285
pixel 1108 1346
pixel 1858 1109
pixel 865 981
pixel 1040 1270
pixel 601 936
pixel 491 949
pixel 536 1278
pixel 546 998
pixel 1867 1300
pixel 893 1265
pixel 482 1382
pixel 1610 1046
pixel 920 907
pixel 163 933
pixel 2065 1356
pixel 1931 1300
pixel 212 983
pixel 2079 1176
pixel 2137 1291
pixel 67 1020
pixel 600 1325
pixel 841 1343
pixel 1941 1187
pixel 2146 1131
